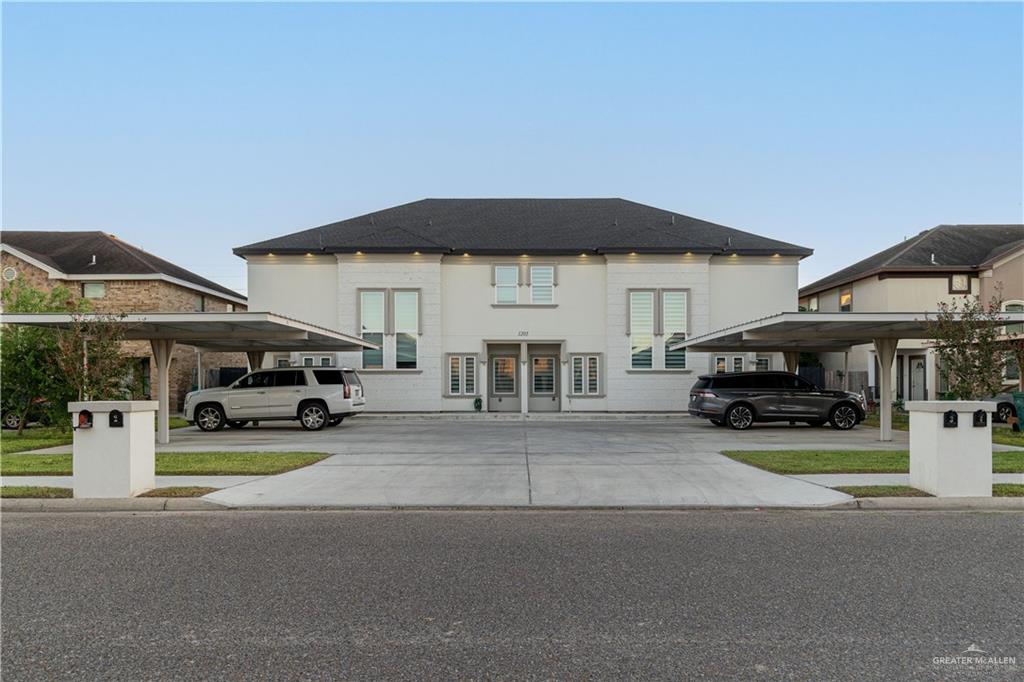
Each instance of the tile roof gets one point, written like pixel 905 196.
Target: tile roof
pixel 72 252
pixel 515 226
pixel 942 248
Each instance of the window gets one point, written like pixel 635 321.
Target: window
pixel 283 362
pixel 506 284
pixel 960 283
pixel 307 361
pixel 586 375
pixel 199 304
pixel 229 307
pixel 94 289
pixel 544 376
pixel 1014 307
pixel 846 300
pixel 641 329
pixel 325 361
pixel 764 364
pixel 255 380
pixel 542 284
pixel 1011 370
pixel 407 328
pixel 737 364
pixel 371 327
pixel 328 377
pixel 504 380
pixel 673 306
pixel 462 375
pixel 10 274
pixel 720 367
pixel 812 304
pixel 290 378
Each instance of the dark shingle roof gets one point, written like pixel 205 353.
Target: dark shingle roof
pixel 954 247
pixel 72 253
pixel 514 226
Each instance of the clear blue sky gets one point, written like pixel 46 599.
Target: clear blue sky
pixel 190 129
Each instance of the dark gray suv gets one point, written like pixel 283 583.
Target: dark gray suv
pixel 741 398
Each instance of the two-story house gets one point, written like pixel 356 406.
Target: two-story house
pixel 117 277
pixel 525 305
pixel 918 274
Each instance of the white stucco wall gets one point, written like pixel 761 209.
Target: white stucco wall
pixel 301 287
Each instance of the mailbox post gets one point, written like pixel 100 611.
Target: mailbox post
pixel 113 451
pixel 951 447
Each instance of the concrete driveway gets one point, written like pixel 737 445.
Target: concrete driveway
pixel 610 462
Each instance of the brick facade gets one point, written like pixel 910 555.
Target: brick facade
pixel 143 296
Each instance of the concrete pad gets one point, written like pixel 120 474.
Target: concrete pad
pixel 328 484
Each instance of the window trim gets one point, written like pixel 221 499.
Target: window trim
pixel 554 282
pixel 555 371
pixel 952 290
pixel 585 359
pixel 383 332
pixel 1004 308
pixel 496 286
pixel 491 383
pixel 666 337
pixel 464 360
pixel 392 294
pixel 659 335
pixel 101 285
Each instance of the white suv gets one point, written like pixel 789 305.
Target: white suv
pixel 316 396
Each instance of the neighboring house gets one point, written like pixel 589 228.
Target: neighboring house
pixel 117 277
pixel 530 305
pixel 936 266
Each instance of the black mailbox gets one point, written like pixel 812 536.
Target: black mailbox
pixel 84 420
pixel 950 419
pixel 116 419
pixel 980 418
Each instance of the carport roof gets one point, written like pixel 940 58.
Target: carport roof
pixel 234 332
pixel 820 332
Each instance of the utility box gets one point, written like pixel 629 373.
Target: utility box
pixel 951 447
pixel 114 447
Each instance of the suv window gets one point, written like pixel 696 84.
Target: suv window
pixel 255 380
pixel 765 382
pixel 327 377
pixel 290 378
pixel 701 383
pixel 791 382
pixel 352 379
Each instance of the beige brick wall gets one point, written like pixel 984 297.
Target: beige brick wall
pixel 142 296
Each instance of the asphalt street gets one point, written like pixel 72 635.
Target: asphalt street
pixel 511 595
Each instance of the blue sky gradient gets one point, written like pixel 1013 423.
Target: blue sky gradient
pixel 190 129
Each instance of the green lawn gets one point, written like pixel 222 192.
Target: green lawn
pixel 852 461
pixel 173 463
pixel 179 491
pixel 38 437
pixel 33 492
pixel 1008 490
pixel 881 491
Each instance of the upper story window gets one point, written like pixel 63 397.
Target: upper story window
pixel 960 283
pixel 673 310
pixel 200 303
pixel 846 300
pixel 1014 307
pixel 542 284
pixel 94 289
pixel 371 327
pixel 407 328
pixel 641 329
pixel 506 284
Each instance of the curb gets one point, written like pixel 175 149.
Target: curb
pixel 155 504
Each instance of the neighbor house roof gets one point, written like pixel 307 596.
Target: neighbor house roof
pixel 516 226
pixel 95 255
pixel 945 248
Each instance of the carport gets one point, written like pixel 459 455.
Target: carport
pixel 795 333
pixel 251 333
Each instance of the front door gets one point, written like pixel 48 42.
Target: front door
pixel 503 387
pixel 544 384
pixel 918 385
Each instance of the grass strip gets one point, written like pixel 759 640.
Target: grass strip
pixel 179 491
pixel 852 461
pixel 174 463
pixel 881 491
pixel 28 491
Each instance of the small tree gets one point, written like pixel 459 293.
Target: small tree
pixel 28 369
pixel 90 355
pixel 967 340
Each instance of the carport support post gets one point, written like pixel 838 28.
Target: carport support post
pixel 792 360
pixel 162 349
pixel 885 349
pixel 255 358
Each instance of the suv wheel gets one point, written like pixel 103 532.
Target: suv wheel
pixel 313 416
pixel 739 417
pixel 210 417
pixel 1003 413
pixel 11 420
pixel 843 417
